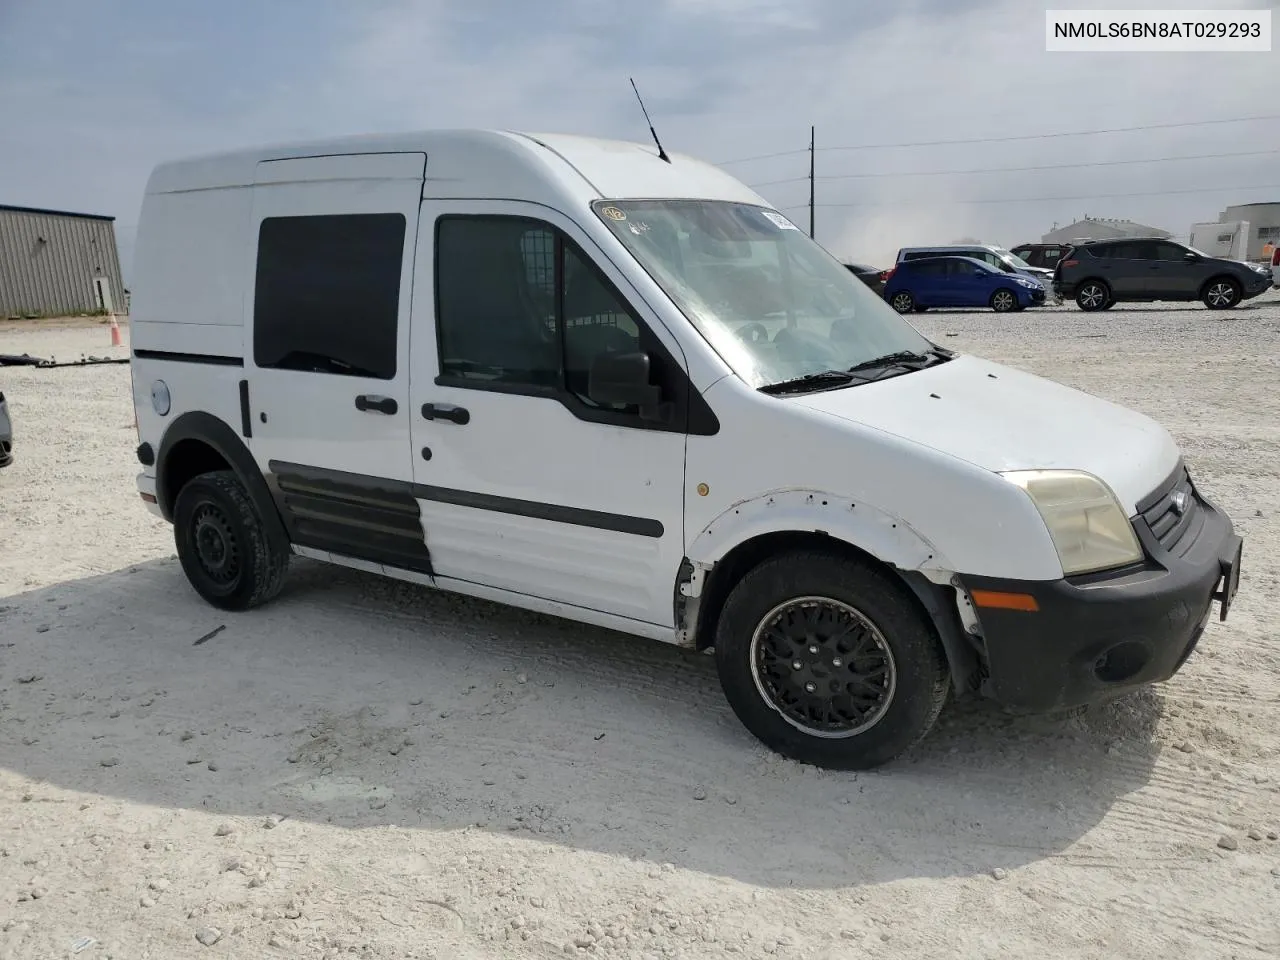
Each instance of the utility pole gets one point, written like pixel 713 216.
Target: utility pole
pixel 811 166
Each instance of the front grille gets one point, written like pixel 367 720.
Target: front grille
pixel 1175 529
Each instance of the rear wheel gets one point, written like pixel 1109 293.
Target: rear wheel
pixel 1004 300
pixel 1093 295
pixel 902 301
pixel 222 544
pixel 1222 293
pixel 826 661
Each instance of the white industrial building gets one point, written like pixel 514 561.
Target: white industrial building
pixel 1102 228
pixel 1227 239
pixel 1264 225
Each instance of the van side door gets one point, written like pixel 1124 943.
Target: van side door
pixel 326 404
pixel 526 485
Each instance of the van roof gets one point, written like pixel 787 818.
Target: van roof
pixel 487 163
pixel 952 246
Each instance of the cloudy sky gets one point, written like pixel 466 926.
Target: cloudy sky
pixel 92 94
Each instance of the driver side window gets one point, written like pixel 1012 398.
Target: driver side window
pixel 520 308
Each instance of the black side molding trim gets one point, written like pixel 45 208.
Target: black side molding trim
pixel 246 422
pixel 400 496
pixel 619 523
pixel 367 518
pixel 210 359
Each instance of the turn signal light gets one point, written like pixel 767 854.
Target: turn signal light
pixel 997 600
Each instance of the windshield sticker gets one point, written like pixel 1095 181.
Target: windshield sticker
pixel 778 220
pixel 613 213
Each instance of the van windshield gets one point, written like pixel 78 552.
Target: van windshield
pixel 1013 258
pixel 772 302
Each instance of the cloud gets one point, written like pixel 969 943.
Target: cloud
pixel 723 79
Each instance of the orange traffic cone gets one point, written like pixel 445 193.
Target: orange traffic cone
pixel 115 332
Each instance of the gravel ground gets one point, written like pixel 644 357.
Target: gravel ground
pixel 365 768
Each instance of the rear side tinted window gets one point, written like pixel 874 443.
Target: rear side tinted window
pixel 327 295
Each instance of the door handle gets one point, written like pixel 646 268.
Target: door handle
pixel 446 411
pixel 366 402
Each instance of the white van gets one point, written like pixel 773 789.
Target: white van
pixel 578 377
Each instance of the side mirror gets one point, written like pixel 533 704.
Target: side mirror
pixel 1190 257
pixel 623 378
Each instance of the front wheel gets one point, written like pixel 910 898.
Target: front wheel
pixel 902 302
pixel 826 661
pixel 223 545
pixel 1004 300
pixel 1222 294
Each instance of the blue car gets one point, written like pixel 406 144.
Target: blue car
pixel 917 285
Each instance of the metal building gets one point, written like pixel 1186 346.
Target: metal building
pixel 1264 225
pixel 54 263
pixel 1102 228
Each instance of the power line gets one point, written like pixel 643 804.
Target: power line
pixel 941 201
pixel 1011 139
pixel 1046 166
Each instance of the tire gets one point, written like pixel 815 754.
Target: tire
pixel 905 668
pixel 222 544
pixel 1003 300
pixel 1093 295
pixel 903 302
pixel 1222 293
pixel 1108 305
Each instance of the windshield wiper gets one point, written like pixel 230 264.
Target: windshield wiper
pixel 904 360
pixel 822 380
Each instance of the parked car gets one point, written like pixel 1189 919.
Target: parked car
pixel 994 256
pixel 1044 256
pixel 1101 273
pixel 873 277
pixel 6 434
pixel 571 389
pixel 917 285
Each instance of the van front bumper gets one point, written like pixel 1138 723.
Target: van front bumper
pixel 1091 638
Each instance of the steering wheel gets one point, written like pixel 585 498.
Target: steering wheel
pixel 753 333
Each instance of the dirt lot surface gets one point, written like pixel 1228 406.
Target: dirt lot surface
pixel 369 769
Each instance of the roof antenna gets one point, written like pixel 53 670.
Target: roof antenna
pixel 662 154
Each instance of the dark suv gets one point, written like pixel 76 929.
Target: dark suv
pixel 1044 255
pixel 1100 273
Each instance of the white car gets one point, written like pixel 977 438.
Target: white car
pixel 584 378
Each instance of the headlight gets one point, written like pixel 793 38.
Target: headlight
pixel 1086 523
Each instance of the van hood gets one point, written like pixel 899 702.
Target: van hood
pixel 999 418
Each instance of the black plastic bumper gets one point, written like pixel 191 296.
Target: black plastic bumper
pixel 1257 287
pixel 1093 637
